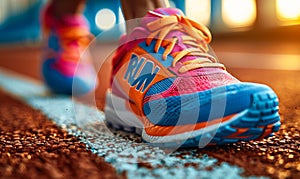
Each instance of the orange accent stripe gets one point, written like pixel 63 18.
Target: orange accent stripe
pixel 268 130
pixel 238 132
pixel 155 130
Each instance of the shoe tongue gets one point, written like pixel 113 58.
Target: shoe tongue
pixel 168 11
pixel 160 12
pixel 156 14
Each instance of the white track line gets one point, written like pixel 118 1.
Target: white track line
pixel 122 152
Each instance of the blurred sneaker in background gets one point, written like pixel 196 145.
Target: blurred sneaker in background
pixel 67 67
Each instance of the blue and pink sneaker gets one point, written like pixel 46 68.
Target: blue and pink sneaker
pixel 169 88
pixel 67 67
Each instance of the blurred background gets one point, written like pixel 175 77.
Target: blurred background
pixel 263 34
pixel 19 19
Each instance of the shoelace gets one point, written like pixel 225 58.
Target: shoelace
pixel 198 37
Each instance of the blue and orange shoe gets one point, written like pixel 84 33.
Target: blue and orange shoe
pixel 64 70
pixel 167 87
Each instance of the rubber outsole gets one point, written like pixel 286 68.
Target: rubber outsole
pixel 259 121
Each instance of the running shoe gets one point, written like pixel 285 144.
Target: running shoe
pixel 168 87
pixel 64 70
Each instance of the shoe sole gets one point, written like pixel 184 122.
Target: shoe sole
pixel 259 121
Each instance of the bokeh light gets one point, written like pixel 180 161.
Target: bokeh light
pixel 238 13
pixel 105 19
pixel 198 10
pixel 288 9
